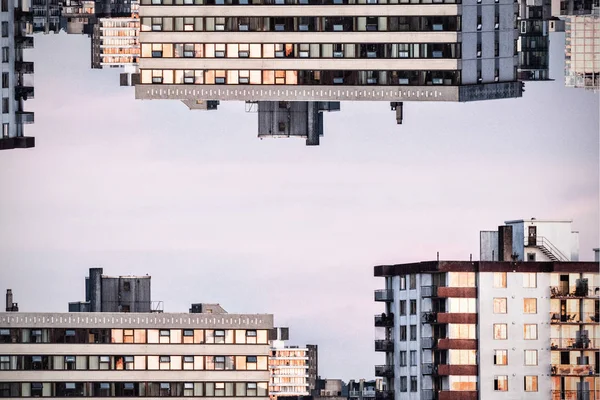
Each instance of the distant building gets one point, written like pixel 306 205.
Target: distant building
pixel 330 389
pixel 46 16
pixel 521 323
pixel 582 51
pixel 119 40
pixel 313 366
pixel 174 355
pixel 364 390
pixel 116 294
pixel 533 44
pixel 205 308
pixel 17 74
pixel 288 366
pixel 303 119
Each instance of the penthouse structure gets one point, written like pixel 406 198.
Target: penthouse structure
pixel 509 326
pixel 328 50
pixel 582 51
pixel 17 74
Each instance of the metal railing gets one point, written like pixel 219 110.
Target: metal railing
pixel 428 342
pixel 427 368
pixel 570 343
pixel 575 395
pixel 575 317
pixel 386 371
pixel 572 369
pixel 429 291
pixel 582 291
pixel 384 345
pixel 428 317
pixel 384 395
pixel 542 242
pixel 384 295
pixel 382 320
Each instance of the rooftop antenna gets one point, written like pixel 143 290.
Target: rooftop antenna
pixel 438 256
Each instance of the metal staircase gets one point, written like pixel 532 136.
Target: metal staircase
pixel 547 248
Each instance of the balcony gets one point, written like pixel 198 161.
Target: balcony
pixel 427 369
pixel 24 117
pixel 384 345
pixel 428 317
pixel 464 344
pixel 572 370
pixel 384 395
pixel 427 394
pixel 24 42
pixel 448 369
pixel 574 318
pixel 428 343
pixel 575 395
pixel 429 291
pixel 458 395
pixel 386 371
pixel 582 290
pixel 384 295
pixel 354 393
pixel 24 67
pixel 382 320
pixel 24 92
pixel 584 343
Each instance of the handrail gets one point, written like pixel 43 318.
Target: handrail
pixel 541 241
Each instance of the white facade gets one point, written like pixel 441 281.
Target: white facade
pixel 134 355
pixel 288 366
pixel 556 236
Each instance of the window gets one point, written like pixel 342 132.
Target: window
pixel 128 336
pixel 501 383
pixel 126 286
pixel 461 279
pixel 36 389
pixel 165 389
pixel 413 307
pixel 500 357
pixel 5 127
pixel 413 281
pixel 219 362
pixel 403 358
pixel 5 110
pixel 478 50
pixel 413 383
pixel 251 362
pixel 531 357
pixel 4 5
pixel 402 307
pixel 461 331
pixel 499 305
pixel 5 54
pixel 462 357
pixel 4 362
pixel 500 332
pixel 413 358
pixel 461 305
pixel 530 280
pixel 70 362
pixel 530 306
pixel 531 383
pixel 413 332
pixel 4 80
pixel 479 26
pixel 403 333
pixel 499 279
pixel 104 362
pixel 251 389
pixel 530 257
pixel 403 384
pixel 165 362
pixel 4 28
pixel 530 331
pixel 402 282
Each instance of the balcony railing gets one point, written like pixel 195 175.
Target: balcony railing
pixel 384 295
pixel 384 395
pixel 575 395
pixel 429 291
pixel 24 42
pixel 574 318
pixel 382 320
pixel 354 393
pixel 427 394
pixel 386 371
pixel 24 92
pixel 428 368
pixel 568 369
pixel 574 343
pixel 24 67
pixel 384 345
pixel 428 317
pixel 583 290
pixel 24 117
pixel 428 342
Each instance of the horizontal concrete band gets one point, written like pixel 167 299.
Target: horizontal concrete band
pixel 299 37
pixel 359 10
pixel 136 320
pixel 134 376
pixel 361 64
pixel 295 93
pixel 135 349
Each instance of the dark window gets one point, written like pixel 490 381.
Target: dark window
pixel 403 333
pixel 5 110
pixel 4 5
pixel 5 54
pixel 402 307
pixel 413 383
pixel 530 256
pixel 413 332
pixel 403 384
pixel 126 286
pixel 4 80
pixel 413 281
pixel 4 29
pixel 36 389
pixel 413 307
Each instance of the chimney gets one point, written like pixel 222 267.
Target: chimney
pixel 10 306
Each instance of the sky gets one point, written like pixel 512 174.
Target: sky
pixel 213 214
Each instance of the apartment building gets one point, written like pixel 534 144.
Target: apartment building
pixel 17 74
pixel 118 38
pixel 328 50
pixel 46 16
pixel 364 390
pixel 510 327
pixel 288 366
pixel 582 51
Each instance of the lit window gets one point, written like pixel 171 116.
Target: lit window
pixel 530 306
pixel 499 279
pixel 499 305
pixel 531 384
pixel 530 331
pixel 531 357
pixel 500 357
pixel 530 280
pixel 500 332
pixel 501 383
